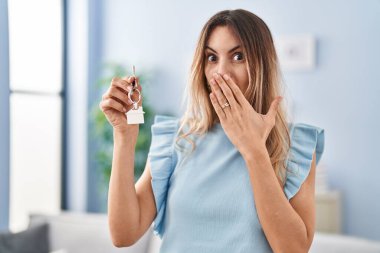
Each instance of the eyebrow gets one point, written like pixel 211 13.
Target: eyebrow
pixel 232 49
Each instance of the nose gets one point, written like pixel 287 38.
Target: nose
pixel 223 67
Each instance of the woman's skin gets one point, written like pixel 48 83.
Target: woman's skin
pixel 219 58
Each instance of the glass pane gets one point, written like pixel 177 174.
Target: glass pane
pixel 35 45
pixel 35 175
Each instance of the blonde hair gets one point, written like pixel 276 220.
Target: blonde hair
pixel 264 84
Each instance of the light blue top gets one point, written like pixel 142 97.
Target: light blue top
pixel 205 203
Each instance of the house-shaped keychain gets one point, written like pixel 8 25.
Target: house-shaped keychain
pixel 135 116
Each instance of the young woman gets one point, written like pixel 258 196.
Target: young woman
pixel 232 174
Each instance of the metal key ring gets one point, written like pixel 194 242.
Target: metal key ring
pixel 130 94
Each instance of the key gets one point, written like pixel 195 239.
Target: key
pixel 136 114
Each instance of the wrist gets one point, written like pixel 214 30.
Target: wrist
pixel 122 137
pixel 255 152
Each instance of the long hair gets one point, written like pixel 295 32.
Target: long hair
pixel 264 84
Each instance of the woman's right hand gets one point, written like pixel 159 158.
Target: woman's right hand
pixel 115 102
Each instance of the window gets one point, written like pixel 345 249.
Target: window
pixel 36 100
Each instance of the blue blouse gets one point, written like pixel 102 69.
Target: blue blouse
pixel 205 203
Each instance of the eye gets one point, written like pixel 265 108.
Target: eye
pixel 240 56
pixel 210 57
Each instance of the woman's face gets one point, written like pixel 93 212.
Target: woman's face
pixel 224 55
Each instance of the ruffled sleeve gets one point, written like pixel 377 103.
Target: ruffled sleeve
pixel 162 162
pixel 305 139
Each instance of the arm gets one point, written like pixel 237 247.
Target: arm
pixel 123 205
pixel 288 225
pixel 131 208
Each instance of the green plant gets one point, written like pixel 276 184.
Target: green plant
pixel 102 131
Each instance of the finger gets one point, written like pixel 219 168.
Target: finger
pixel 221 99
pixel 130 79
pixel 219 111
pixel 124 81
pixel 133 80
pixel 235 89
pixel 126 87
pixel 222 102
pixel 121 83
pixel 227 92
pixel 116 92
pixel 274 107
pixel 112 103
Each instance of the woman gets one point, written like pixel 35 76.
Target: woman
pixel 231 175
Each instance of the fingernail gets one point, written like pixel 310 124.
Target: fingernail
pixel 226 76
pixel 216 74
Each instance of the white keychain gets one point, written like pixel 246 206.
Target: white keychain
pixel 136 114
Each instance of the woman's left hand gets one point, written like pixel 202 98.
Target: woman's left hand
pixel 246 129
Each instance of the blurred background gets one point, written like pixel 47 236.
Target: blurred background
pixel 58 57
